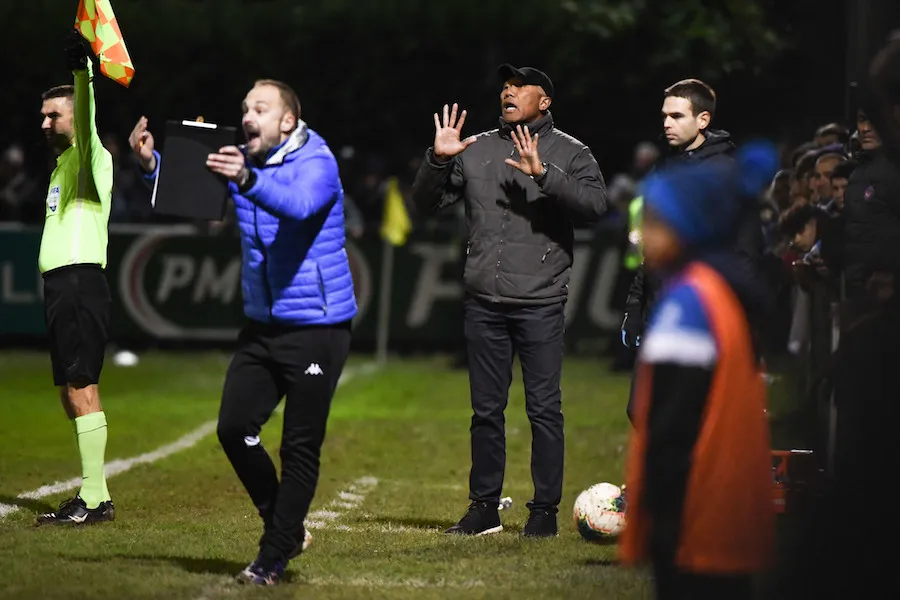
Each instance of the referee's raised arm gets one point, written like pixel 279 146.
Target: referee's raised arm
pixel 87 140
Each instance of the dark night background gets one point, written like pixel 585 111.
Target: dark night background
pixel 370 73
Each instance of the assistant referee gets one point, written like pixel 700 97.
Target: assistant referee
pixel 72 261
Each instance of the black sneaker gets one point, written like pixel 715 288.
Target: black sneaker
pixel 541 523
pixel 482 518
pixel 75 512
pixel 258 574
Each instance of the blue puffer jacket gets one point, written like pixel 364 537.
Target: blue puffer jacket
pixel 295 269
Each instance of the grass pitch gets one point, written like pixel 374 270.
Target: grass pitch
pixel 394 475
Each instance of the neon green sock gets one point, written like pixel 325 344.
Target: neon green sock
pixel 92 447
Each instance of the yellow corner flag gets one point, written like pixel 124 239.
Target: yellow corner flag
pixel 96 22
pixel 395 225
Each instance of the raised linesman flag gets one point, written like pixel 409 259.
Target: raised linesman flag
pixel 96 22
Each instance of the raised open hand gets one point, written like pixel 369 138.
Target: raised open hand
pixel 141 142
pixel 446 134
pixel 527 147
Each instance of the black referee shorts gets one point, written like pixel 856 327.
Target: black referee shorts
pixel 76 307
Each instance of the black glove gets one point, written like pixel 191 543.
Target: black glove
pixel 632 329
pixel 76 55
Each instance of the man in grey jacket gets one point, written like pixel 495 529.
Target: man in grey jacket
pixel 523 184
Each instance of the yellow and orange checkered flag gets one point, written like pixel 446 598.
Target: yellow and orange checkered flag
pixel 96 22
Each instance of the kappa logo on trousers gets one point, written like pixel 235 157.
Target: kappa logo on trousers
pixel 314 369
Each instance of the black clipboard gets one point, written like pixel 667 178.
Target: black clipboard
pixel 184 187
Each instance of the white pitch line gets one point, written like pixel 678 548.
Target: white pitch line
pixel 122 465
pixel 357 490
pixel 116 466
pixel 323 515
pixel 381 582
pixel 320 519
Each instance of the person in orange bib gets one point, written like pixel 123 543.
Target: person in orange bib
pixel 699 474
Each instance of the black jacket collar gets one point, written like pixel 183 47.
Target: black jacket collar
pixel 542 126
pixel 717 143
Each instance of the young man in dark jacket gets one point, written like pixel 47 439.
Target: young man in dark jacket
pixel 523 184
pixel 688 109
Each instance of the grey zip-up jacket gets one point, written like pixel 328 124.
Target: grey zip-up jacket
pixel 520 231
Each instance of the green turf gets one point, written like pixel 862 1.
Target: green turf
pixel 185 525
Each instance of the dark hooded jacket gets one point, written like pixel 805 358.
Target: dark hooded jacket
pixel 871 218
pixel 748 245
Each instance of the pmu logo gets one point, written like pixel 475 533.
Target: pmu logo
pixel 178 285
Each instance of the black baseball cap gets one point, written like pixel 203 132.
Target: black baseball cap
pixel 528 75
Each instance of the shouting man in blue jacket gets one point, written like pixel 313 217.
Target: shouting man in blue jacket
pixel 299 299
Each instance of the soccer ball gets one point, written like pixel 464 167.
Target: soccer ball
pixel 599 512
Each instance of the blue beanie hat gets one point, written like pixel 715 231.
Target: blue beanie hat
pixel 703 201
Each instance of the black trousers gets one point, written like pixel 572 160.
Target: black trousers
pixel 673 584
pixel 629 408
pixel 302 364
pixel 494 334
pixel 867 393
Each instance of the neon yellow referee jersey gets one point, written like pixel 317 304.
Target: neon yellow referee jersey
pixel 76 225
